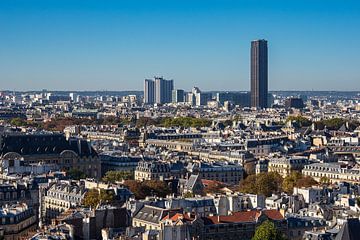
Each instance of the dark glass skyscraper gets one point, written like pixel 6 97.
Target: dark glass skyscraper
pixel 259 73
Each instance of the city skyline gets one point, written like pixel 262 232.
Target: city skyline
pixel 72 45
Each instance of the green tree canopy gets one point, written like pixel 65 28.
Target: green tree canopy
pixel 18 122
pixel 267 231
pixel 300 120
pixel 331 124
pixel 94 197
pixel 296 179
pixel 75 174
pixel 147 188
pixel 186 122
pixel 263 183
pixel 115 176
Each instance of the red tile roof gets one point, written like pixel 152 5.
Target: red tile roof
pixel 178 216
pixel 245 216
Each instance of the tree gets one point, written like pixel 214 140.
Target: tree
pixel 94 197
pixel 116 176
pixel 267 231
pixel 214 187
pixel 157 187
pixel 324 180
pixel 137 188
pixel 296 179
pixel 186 122
pixel 147 188
pixel 188 195
pixel 18 122
pixel 75 174
pixel 263 183
pixel 268 184
pixel 248 185
pixel 300 120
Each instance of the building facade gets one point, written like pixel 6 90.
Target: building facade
pixel 178 95
pixel 259 73
pixel 50 149
pixel 149 91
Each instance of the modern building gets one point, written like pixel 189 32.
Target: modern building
pixel 238 98
pixel 158 90
pixel 178 95
pixel 259 74
pixel 163 90
pixel 149 91
pixel 294 103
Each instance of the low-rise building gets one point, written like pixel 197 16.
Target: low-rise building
pixel 152 170
pixel 284 166
pixel 332 172
pixel 223 172
pixel 60 196
pixel 238 225
pixel 16 221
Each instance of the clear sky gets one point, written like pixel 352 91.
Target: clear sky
pixel 114 45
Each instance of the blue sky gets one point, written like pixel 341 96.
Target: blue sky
pixel 114 45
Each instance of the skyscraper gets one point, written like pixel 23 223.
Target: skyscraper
pixel 163 90
pixel 259 73
pixel 158 90
pixel 149 91
pixel 178 95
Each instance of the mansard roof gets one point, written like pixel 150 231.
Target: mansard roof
pixel 30 144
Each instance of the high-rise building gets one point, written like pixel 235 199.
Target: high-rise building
pixel 149 91
pixel 158 90
pixel 163 90
pixel 259 73
pixel 178 96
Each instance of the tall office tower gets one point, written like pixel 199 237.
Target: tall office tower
pixel 163 90
pixel 178 95
pixel 149 91
pixel 259 73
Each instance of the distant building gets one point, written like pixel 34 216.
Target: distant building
pixel 238 98
pixel 163 90
pixel 259 74
pixel 158 90
pixel 149 91
pixel 178 95
pixel 294 103
pixel 201 98
pixel 190 98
